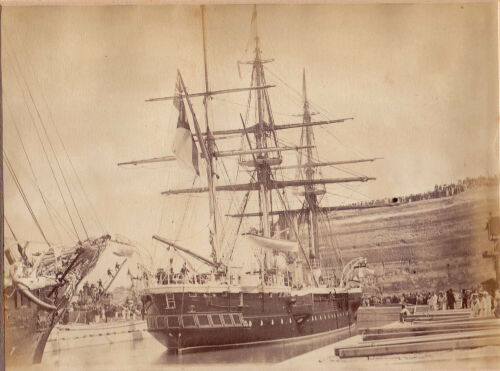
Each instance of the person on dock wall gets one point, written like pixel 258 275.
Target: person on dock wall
pixel 485 304
pixel 441 301
pixel 450 299
pixel 475 306
pixel 403 313
pixel 465 299
pixel 496 304
pixel 433 302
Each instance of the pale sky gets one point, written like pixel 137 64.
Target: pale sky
pixel 420 81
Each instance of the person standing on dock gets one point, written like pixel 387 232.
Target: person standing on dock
pixel 486 304
pixel 464 299
pixel 441 301
pixel 403 313
pixel 450 298
pixel 475 306
pixel 434 302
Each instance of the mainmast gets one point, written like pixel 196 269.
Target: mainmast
pixel 262 133
pixel 310 191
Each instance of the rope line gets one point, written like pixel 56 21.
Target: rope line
pixel 23 195
pixel 10 228
pixel 48 138
pixel 34 177
pixel 45 153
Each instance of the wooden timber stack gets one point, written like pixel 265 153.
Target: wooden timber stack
pixel 434 331
pixel 377 316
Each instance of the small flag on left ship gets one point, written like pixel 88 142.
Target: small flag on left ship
pixel 184 146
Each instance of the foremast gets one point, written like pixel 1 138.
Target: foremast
pixel 212 200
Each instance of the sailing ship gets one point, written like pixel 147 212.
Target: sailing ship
pixel 40 281
pixel 36 299
pixel 286 298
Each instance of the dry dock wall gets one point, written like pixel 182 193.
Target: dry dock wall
pixel 426 245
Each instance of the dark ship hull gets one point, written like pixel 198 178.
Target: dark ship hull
pixel 27 327
pixel 30 315
pixel 204 321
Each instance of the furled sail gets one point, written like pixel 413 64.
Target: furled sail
pixel 270 243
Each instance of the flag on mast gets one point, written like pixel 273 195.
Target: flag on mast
pixel 184 146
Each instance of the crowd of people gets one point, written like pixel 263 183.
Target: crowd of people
pixel 184 275
pixel 445 190
pixel 413 298
pixel 481 302
pixel 93 303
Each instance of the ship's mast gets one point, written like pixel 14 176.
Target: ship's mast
pixel 266 154
pixel 212 200
pixel 261 134
pixel 309 189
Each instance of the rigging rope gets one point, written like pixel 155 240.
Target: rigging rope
pixel 34 177
pixel 48 139
pixel 292 226
pixel 333 239
pixel 51 120
pixel 10 228
pixel 318 108
pixel 247 196
pixel 58 164
pixel 23 195
pixel 45 153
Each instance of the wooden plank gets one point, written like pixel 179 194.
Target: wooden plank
pixel 442 316
pixel 448 312
pixel 419 347
pixel 451 320
pixel 433 319
pixel 406 334
pixel 434 326
pixel 424 339
pixel 421 340
pixel 455 335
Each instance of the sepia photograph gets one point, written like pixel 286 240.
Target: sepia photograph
pixel 250 186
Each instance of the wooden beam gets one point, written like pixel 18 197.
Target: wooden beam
pixel 431 338
pixel 445 344
pixel 257 150
pixel 330 163
pixel 257 127
pixel 209 93
pixel 113 278
pixel 274 184
pixel 450 320
pixel 321 208
pixel 177 247
pixel 407 334
pixel 148 161
pixel 430 327
pixel 412 318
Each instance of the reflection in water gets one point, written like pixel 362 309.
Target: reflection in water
pixel 148 352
